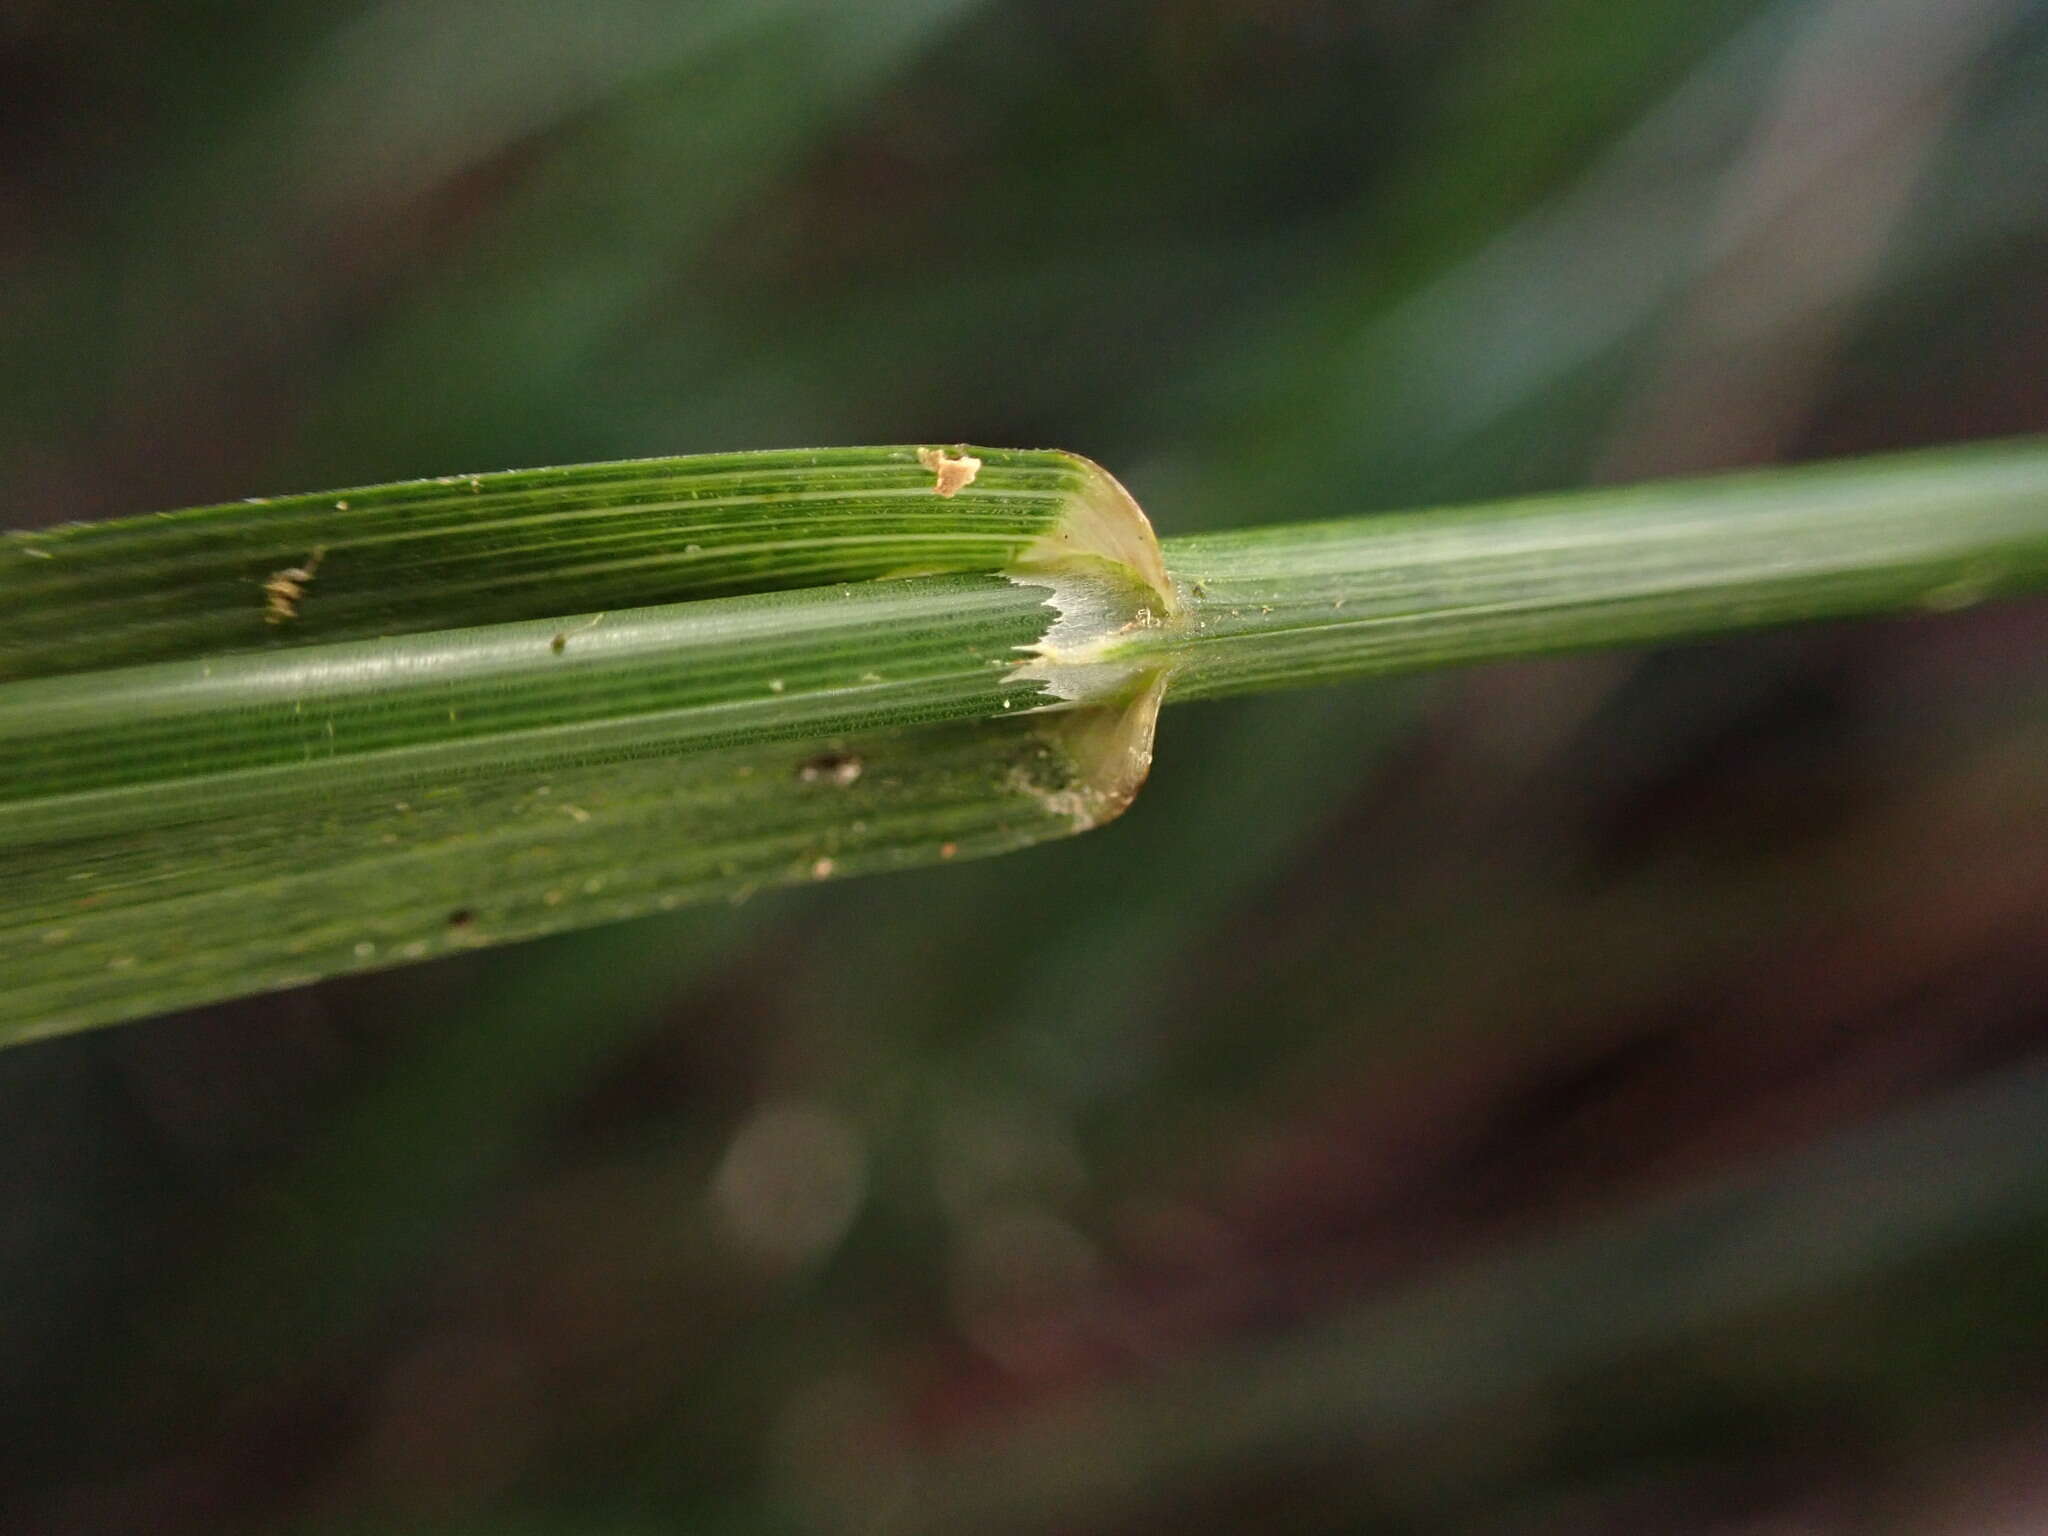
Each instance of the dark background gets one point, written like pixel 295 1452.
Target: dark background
pixel 1592 1095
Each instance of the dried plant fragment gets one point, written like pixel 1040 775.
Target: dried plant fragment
pixel 281 593
pixel 954 474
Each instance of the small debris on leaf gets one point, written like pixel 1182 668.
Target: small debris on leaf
pixel 841 769
pixel 560 643
pixel 954 474
pixel 281 593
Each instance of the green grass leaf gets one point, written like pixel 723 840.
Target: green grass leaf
pixel 261 795
pixel 462 550
pixel 111 926
pixel 220 774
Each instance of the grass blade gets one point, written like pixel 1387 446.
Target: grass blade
pixel 147 746
pixel 258 804
pixel 483 549
pixel 259 798
pixel 98 929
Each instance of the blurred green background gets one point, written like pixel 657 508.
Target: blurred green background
pixel 1592 1095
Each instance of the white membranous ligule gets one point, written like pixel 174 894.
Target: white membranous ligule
pixel 1102 523
pixel 1105 579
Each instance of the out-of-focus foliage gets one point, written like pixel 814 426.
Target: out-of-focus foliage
pixel 1389 1017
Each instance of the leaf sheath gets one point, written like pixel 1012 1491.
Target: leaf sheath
pixel 1309 603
